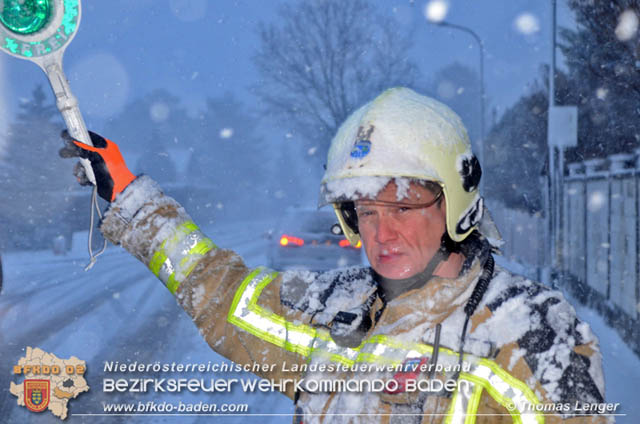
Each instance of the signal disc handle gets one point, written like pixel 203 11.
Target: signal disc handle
pixel 39 31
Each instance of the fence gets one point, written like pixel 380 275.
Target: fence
pixel 598 245
pixel 600 234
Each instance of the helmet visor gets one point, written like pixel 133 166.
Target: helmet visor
pixel 425 201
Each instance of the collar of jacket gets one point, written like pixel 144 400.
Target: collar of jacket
pixel 431 303
pixel 392 288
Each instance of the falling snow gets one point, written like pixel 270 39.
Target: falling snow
pixel 527 24
pixel 627 25
pixel 596 201
pixel 226 133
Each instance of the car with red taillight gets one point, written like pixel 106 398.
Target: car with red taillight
pixel 303 239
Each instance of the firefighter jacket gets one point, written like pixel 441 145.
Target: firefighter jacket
pixel 345 354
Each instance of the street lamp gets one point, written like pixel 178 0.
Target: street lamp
pixel 436 11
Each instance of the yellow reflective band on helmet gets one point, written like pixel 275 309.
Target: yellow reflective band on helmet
pixel 179 254
pixel 483 375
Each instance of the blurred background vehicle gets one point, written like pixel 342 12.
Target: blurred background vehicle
pixel 303 239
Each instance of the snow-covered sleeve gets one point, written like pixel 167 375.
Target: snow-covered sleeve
pixel 548 348
pixel 212 284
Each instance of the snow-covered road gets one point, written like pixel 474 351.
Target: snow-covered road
pixel 118 311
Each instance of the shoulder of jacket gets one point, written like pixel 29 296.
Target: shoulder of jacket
pixel 507 289
pixel 529 313
pixel 561 350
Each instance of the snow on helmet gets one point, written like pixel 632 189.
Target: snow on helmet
pixel 403 135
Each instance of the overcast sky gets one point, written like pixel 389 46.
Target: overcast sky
pixel 197 48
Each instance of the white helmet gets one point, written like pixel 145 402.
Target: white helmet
pixel 402 135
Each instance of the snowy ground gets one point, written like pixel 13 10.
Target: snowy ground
pixel 119 312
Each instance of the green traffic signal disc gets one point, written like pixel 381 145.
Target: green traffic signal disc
pixel 25 16
pixel 37 29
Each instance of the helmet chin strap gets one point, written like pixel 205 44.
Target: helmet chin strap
pixel 394 287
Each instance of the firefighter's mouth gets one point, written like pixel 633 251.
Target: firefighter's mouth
pixel 389 255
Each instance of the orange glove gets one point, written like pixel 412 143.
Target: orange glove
pixel 112 174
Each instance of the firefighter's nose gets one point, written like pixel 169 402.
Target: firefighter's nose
pixel 385 230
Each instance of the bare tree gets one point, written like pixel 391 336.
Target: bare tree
pixel 327 57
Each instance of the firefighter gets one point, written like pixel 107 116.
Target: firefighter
pixel 445 334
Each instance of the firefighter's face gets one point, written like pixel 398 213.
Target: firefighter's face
pixel 399 237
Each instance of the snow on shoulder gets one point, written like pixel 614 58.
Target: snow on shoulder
pixel 549 336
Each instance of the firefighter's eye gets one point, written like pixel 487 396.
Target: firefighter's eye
pixel 401 210
pixel 365 213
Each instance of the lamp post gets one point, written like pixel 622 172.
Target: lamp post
pixel 553 211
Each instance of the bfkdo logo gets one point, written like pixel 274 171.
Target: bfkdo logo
pixel 36 394
pixel 49 382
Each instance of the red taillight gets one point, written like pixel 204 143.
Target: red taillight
pixel 345 243
pixel 286 240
